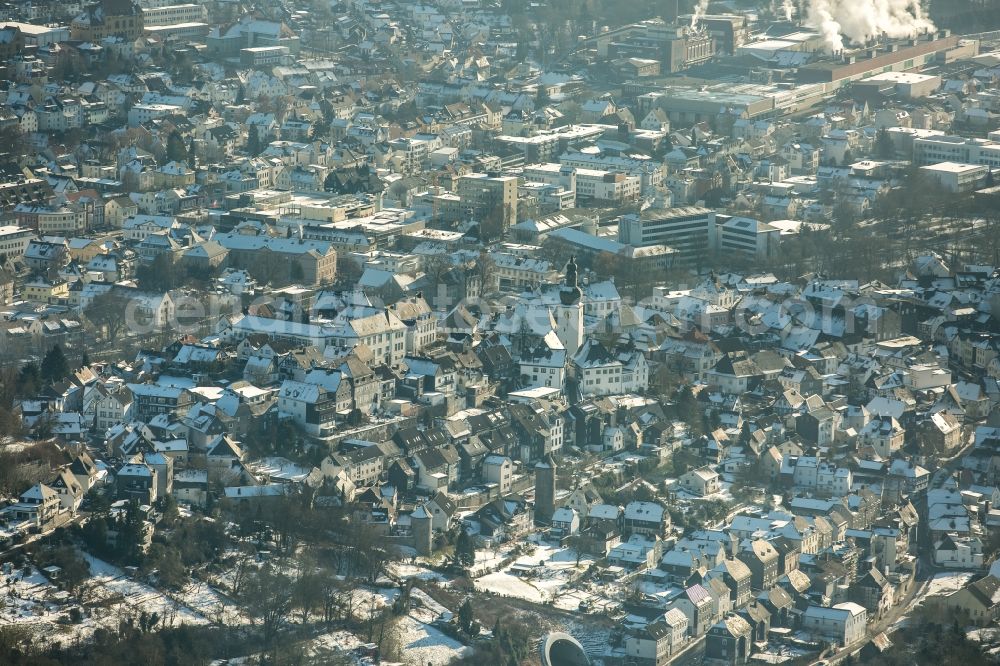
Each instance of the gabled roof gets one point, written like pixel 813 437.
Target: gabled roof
pixel 39 492
pixel 444 503
pixel 698 595
pixel 224 446
pixel 986 591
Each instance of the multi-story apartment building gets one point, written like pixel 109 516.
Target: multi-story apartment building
pixel 595 185
pixel 13 240
pixel 173 14
pixel 689 230
pixel 747 236
pixel 51 222
pixel 948 148
pixel 649 172
pixel 482 195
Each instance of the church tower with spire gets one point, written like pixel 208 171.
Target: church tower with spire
pixel 569 312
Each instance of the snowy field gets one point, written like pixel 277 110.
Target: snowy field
pixel 544 575
pixel 33 602
pixel 404 571
pixel 108 582
pixel 422 644
pixel 211 604
pixel 487 560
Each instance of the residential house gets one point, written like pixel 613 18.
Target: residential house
pixel 762 559
pixel 979 601
pixel 729 641
pixel 700 482
pixel 696 604
pixel 843 624
pixel 646 518
pixel 39 507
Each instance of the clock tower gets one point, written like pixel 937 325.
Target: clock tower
pixel 569 312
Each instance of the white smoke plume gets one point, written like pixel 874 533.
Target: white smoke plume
pixel 859 21
pixel 820 17
pixel 700 10
pixel 788 8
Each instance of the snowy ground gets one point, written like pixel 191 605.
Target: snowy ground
pixel 211 604
pixel 988 639
pixel 110 595
pixel 423 644
pixel 487 560
pixel 552 568
pixel 779 654
pixel 725 494
pixel 335 642
pixel 404 571
pixel 946 583
pixel 940 585
pixel 108 582
pixel 984 634
pixel 36 603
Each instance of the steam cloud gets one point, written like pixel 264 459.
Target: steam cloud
pixel 859 21
pixel 700 10
pixel 788 8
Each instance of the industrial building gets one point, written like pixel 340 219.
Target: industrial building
pixel 895 56
pixel 172 14
pixel 688 104
pixel 676 47
pixel 902 84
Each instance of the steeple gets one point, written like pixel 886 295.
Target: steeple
pixel 570 293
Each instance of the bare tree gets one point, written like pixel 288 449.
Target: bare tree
pixel 267 597
pixel 307 591
pixel 338 597
pixel 107 312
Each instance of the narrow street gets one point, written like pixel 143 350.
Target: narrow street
pixel 887 621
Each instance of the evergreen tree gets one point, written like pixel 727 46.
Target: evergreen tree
pixel 176 150
pixel 131 535
pixel 465 550
pixel 541 97
pixel 84 360
pixel 28 380
pixel 192 154
pixel 465 616
pixel 54 365
pixel 254 147
pixel 884 148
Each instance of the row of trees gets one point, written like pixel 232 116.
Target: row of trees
pixel 25 382
pixel 135 641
